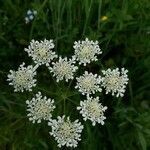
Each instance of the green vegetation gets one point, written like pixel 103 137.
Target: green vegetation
pixel 124 37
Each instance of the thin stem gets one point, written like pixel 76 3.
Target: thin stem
pixel 72 101
pixel 72 80
pixel 118 101
pixel 35 67
pixel 54 81
pixel 131 92
pixel 64 105
pixel 73 94
pixel 99 14
pixel 41 89
pixel 69 86
pixel 33 23
pixel 87 18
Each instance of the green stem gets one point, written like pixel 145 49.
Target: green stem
pixel 131 92
pixel 99 14
pixel 87 18
pixel 33 23
pixel 64 105
pixel 72 101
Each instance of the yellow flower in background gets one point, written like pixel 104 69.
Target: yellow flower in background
pixel 104 18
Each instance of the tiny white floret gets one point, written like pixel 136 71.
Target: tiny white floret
pixel 23 78
pixel 65 132
pixel 93 110
pixel 40 108
pixel 41 52
pixel 88 83
pixel 115 81
pixel 63 69
pixel 86 51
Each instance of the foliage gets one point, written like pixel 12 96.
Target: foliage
pixel 124 40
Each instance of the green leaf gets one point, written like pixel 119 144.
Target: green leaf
pixel 142 140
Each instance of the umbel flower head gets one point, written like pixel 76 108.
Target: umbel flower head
pixel 86 51
pixel 23 78
pixel 88 83
pixel 115 81
pixel 63 69
pixel 66 132
pixel 93 110
pixel 40 108
pixel 41 52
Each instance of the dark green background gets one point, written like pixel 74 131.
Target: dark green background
pixel 125 41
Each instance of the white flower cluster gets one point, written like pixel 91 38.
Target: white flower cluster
pixel 63 69
pixel 23 79
pixel 115 81
pixel 93 110
pixel 41 52
pixel 86 51
pixel 88 83
pixel 40 108
pixel 66 132
pixel 30 15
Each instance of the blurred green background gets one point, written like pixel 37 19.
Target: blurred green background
pixel 122 28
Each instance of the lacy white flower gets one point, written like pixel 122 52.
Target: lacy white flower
pixel 66 132
pixel 93 110
pixel 88 83
pixel 63 69
pixel 23 79
pixel 41 51
pixel 115 81
pixel 40 108
pixel 86 51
